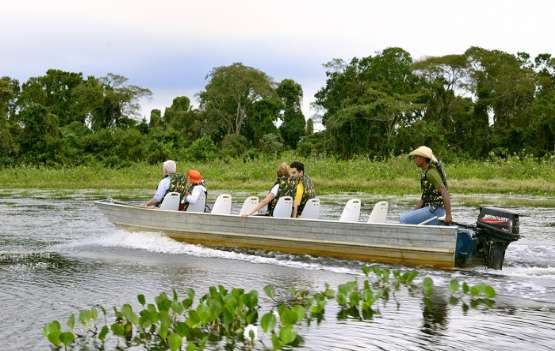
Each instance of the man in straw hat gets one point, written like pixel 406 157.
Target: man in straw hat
pixel 435 201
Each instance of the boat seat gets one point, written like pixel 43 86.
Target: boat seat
pixel 311 209
pixel 284 207
pixel 379 212
pixel 249 204
pixel 170 202
pixel 351 212
pixel 199 205
pixel 222 204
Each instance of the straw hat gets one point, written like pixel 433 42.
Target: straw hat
pixel 194 176
pixel 425 152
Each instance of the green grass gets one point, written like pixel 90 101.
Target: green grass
pixel 396 176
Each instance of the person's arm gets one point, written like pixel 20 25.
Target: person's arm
pixel 419 204
pixel 161 191
pixel 447 204
pixel 299 192
pixel 193 198
pixel 261 204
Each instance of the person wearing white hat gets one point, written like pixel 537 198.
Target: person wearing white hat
pixel 171 182
pixel 435 201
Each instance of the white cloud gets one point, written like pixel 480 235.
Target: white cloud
pixel 148 40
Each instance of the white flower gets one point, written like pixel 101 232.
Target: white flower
pixel 250 332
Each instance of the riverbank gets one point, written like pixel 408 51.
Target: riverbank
pixel 396 176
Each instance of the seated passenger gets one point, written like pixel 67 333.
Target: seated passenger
pixel 170 183
pixel 304 189
pixel 195 198
pixel 283 186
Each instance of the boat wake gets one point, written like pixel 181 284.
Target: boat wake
pixel 159 243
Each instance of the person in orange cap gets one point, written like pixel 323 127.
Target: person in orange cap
pixel 195 199
pixel 435 201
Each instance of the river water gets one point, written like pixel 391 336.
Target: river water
pixel 58 254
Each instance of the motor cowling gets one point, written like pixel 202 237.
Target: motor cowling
pixel 496 229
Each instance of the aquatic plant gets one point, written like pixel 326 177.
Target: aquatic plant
pixel 232 317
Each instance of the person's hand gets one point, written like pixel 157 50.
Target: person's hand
pixel 448 219
pixel 244 215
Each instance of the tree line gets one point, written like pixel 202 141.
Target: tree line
pixel 477 104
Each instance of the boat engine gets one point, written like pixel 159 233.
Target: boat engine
pixel 496 228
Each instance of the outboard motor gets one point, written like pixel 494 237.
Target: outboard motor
pixel 496 228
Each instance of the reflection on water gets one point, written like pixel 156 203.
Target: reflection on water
pixel 59 254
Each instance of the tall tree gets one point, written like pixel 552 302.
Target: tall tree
pixel 230 93
pixel 292 128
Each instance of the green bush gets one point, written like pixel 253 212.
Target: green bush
pixel 202 149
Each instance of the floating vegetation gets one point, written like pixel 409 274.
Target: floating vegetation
pixel 232 317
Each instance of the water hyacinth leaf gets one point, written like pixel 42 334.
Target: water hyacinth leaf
pixel 465 288
pixel 54 338
pixel 191 346
pixel 174 341
pixel 182 329
pixel 117 329
pixel 288 317
pixel 276 343
pixel 164 329
pixel 84 317
pixel 93 314
pixel 287 335
pixel 268 321
pixel 365 270
pixel 270 291
pixel 71 321
pixel 427 286
pixel 489 292
pixel 67 338
pixel 474 291
pixel 141 299
pixel 300 311
pixel 103 333
pixel 408 277
pixel 454 285
pixel 53 326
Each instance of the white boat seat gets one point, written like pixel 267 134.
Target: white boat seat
pixel 311 209
pixel 170 202
pixel 379 212
pixel 249 204
pixel 351 211
pixel 284 207
pixel 199 205
pixel 222 204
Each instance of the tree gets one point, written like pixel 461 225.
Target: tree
pixel 9 90
pixel 230 93
pixel 155 118
pixel 292 128
pixel 40 138
pixel 367 100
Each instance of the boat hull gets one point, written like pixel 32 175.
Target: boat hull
pixel 387 243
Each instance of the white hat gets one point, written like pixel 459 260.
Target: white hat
pixel 425 152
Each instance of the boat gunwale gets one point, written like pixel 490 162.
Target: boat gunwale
pixel 140 208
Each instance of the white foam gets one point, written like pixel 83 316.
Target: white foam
pixel 160 243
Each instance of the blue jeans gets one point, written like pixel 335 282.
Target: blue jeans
pixel 422 214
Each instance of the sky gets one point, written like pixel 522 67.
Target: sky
pixel 169 46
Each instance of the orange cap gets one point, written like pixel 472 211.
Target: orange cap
pixel 194 176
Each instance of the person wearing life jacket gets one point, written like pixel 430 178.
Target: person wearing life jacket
pixel 196 193
pixel 304 189
pixel 170 183
pixel 435 201
pixel 283 186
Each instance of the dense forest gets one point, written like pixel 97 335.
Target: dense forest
pixel 479 104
